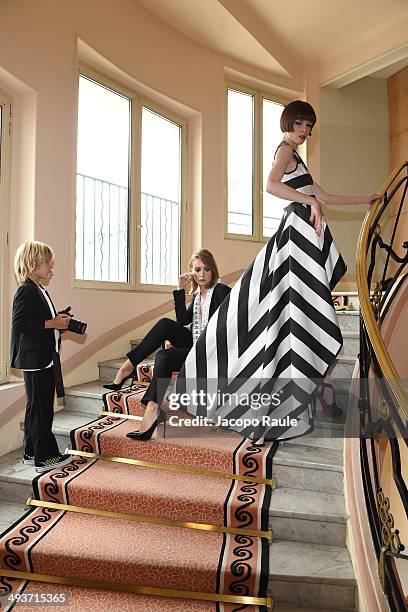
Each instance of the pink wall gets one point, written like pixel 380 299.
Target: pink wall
pixel 39 53
pixel 38 68
pixel 38 45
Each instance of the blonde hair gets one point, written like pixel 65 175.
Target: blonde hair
pixel 208 259
pixel 28 257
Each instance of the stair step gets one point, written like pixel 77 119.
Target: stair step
pixel 306 508
pixel 312 575
pixel 308 463
pixel 343 367
pixel 85 398
pixel 305 467
pixel 64 422
pixel 298 513
pixel 84 403
pixel 109 367
pixel 10 512
pixel 85 600
pixel 349 320
pixel 134 344
pixel 326 434
pixel 351 344
pixel 302 463
pixel 142 491
pixel 106 549
pixel 288 608
pixel 308 516
pixel 295 514
pixel 297 466
pixel 15 478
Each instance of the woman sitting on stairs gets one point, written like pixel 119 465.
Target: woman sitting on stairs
pixel 209 293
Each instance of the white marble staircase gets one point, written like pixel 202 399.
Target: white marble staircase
pixel 309 564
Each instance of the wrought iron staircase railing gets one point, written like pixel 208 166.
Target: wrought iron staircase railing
pixel 383 400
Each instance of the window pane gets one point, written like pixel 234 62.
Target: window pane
pixel 272 136
pixel 161 200
pixel 102 212
pixel 240 165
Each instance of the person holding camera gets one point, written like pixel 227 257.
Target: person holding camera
pixel 35 340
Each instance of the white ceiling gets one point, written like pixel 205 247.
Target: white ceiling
pixel 280 35
pixel 329 27
pixel 211 25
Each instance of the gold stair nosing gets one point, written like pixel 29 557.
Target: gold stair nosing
pixel 175 468
pixel 151 520
pixel 120 415
pixel 141 590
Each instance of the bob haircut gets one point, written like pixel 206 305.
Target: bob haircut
pixel 208 259
pixel 28 257
pixel 296 110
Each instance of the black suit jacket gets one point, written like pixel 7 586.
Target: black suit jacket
pixel 185 315
pixel 32 346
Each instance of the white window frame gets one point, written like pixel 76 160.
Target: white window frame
pixel 138 101
pixel 5 184
pixel 257 180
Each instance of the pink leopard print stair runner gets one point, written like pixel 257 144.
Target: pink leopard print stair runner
pixel 203 448
pixel 104 549
pixel 127 401
pixel 60 598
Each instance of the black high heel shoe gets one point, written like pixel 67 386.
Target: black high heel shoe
pixel 331 410
pixel 118 386
pixel 146 435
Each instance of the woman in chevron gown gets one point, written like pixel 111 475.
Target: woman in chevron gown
pixel 274 337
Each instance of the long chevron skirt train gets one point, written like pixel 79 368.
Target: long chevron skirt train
pixel 264 351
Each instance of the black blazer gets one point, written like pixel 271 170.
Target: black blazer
pixel 185 315
pixel 31 346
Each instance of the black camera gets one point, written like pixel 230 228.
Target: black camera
pixel 78 327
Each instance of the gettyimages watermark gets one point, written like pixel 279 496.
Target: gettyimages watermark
pixel 212 400
pixel 280 408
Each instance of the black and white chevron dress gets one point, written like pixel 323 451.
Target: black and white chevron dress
pixel 272 340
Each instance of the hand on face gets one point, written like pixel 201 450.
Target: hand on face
pixel 184 280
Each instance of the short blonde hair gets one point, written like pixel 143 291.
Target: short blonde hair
pixel 28 257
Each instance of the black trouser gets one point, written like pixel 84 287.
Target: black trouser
pixel 166 360
pixel 40 442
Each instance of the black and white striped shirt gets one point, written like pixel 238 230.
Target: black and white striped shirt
pixel 299 178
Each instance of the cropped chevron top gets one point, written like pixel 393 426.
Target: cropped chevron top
pixel 299 178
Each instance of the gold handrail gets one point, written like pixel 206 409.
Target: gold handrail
pixel 387 367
